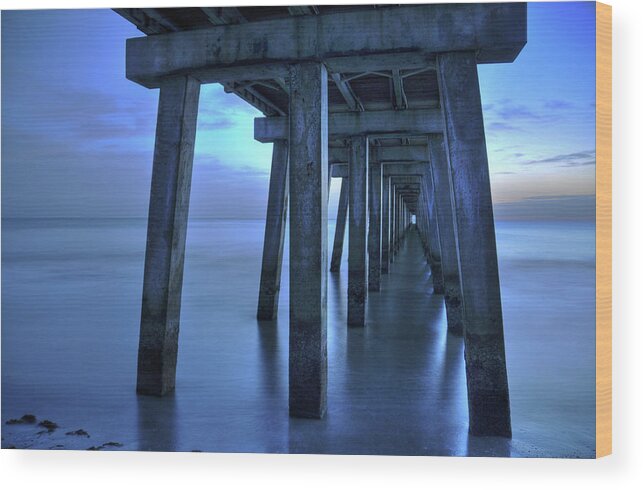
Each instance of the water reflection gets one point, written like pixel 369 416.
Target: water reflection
pixel 157 423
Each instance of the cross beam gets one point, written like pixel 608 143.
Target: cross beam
pixel 403 153
pixel 364 40
pixel 375 123
pixel 389 169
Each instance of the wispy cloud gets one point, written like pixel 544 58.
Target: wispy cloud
pixel 576 159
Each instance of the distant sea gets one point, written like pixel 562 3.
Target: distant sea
pixel 71 293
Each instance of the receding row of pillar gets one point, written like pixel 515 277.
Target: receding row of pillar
pixel 452 203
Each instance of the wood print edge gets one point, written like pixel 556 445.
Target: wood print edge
pixel 603 230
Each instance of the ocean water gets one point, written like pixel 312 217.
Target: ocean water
pixel 71 292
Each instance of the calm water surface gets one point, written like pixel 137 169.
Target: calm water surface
pixel 71 292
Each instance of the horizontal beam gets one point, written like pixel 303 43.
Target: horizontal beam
pixel 388 169
pixel 496 32
pixel 417 153
pixel 372 123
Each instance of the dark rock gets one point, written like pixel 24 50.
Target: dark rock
pixel 113 444
pixel 49 425
pixel 94 448
pixel 79 432
pixel 25 419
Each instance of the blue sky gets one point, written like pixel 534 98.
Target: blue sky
pixel 77 137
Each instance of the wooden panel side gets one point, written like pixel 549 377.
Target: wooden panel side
pixel 603 230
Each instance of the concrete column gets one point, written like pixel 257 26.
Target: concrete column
pixel 308 148
pixel 435 255
pixel 340 227
pixel 166 230
pixel 386 223
pixel 374 225
pixel 273 242
pixel 487 385
pixel 444 212
pixel 357 231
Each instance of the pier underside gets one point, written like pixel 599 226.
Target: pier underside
pixel 386 97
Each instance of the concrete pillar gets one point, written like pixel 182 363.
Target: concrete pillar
pixel 166 231
pixel 386 223
pixel 273 242
pixel 444 211
pixel 487 385
pixel 308 151
pixel 435 256
pixel 357 231
pixel 340 227
pixel 374 225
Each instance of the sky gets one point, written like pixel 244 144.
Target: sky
pixel 78 137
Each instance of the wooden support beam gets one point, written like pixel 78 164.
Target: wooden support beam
pixel 488 390
pixel 347 124
pixel 308 145
pixel 273 242
pixel 363 40
pixel 166 232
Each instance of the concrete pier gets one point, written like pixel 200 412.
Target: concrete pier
pixel 444 210
pixel 166 231
pixel 273 243
pixel 266 59
pixel 357 231
pixel 488 390
pixel 374 222
pixel 308 152
pixel 340 227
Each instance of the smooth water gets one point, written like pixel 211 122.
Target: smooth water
pixel 71 292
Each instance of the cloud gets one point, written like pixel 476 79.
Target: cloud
pixel 557 104
pixel 577 159
pixel 501 126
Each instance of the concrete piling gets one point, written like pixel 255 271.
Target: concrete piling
pixel 273 243
pixel 357 231
pixel 166 232
pixel 308 155
pixel 488 390
pixel 386 224
pixel 374 224
pixel 442 190
pixel 340 227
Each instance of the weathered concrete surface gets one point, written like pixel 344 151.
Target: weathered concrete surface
pixel 488 390
pixel 386 224
pixel 308 147
pixel 435 253
pixel 340 227
pixel 439 169
pixel 388 169
pixel 357 231
pixel 346 124
pixel 417 153
pixel 273 242
pixel 374 222
pixel 392 37
pixel 166 231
